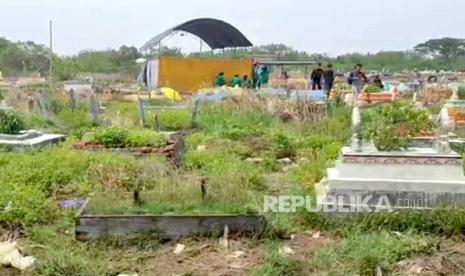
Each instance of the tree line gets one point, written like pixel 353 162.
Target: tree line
pixel 26 57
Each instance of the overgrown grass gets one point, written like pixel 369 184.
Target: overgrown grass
pixel 276 264
pixel 364 253
pixel 33 181
pixel 231 132
pixel 59 254
pixel 439 221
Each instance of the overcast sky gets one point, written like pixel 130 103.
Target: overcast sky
pixel 331 26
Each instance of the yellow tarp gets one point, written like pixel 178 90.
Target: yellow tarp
pixel 170 94
pixel 187 75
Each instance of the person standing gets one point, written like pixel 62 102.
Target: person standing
pixel 265 75
pixel 328 79
pixel 356 78
pixel 257 75
pixel 315 77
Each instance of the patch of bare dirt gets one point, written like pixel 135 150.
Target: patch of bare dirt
pixel 448 260
pixel 305 245
pixel 206 257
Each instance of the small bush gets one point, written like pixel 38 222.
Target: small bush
pixel 71 120
pixel 196 139
pixel 56 106
pixel 111 137
pixel 371 88
pixel 145 138
pixel 10 122
pixel 222 121
pixel 114 171
pixel 55 171
pixel 316 141
pixel 392 126
pixel 284 145
pixel 461 92
pixel 175 119
pixel 25 205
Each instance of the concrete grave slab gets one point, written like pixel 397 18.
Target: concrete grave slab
pixel 419 175
pixel 29 139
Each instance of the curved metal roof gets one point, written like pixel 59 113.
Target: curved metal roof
pixel 216 33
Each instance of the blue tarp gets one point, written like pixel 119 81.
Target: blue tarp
pixel 215 97
pixel 313 95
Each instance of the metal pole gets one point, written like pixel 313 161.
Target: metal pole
pixel 51 56
pixel 200 50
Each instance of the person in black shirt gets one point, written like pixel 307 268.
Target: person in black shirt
pixel 328 79
pixel 316 77
pixel 378 82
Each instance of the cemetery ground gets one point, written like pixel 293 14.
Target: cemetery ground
pixel 242 148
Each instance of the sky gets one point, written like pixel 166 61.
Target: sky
pixel 332 27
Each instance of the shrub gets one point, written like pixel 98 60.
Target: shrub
pixel 10 122
pixel 315 141
pixel 56 106
pixel 111 137
pixel 145 138
pixel 371 88
pixel 461 92
pixel 74 120
pixel 25 205
pixel 284 145
pixel 221 121
pixel 114 171
pixel 55 171
pixel 196 139
pixel 393 126
pixel 175 119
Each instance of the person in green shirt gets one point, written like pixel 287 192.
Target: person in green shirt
pixel 236 81
pixel 246 83
pixel 219 80
pixel 264 75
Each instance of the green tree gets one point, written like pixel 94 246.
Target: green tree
pixel 446 48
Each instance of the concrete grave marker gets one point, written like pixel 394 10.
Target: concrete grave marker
pixel 416 178
pixel 72 98
pixel 94 108
pixel 140 110
pixel 42 104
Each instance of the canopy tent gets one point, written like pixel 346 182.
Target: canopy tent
pixel 215 33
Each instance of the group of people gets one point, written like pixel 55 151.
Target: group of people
pixel 324 78
pixel 320 78
pixel 236 81
pixel 260 77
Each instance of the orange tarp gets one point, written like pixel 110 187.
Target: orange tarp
pixel 190 74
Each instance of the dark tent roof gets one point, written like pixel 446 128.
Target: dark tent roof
pixel 216 33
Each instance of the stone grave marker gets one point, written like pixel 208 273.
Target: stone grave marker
pixel 140 110
pixel 94 108
pixel 72 99
pixel 42 104
pixel 195 113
